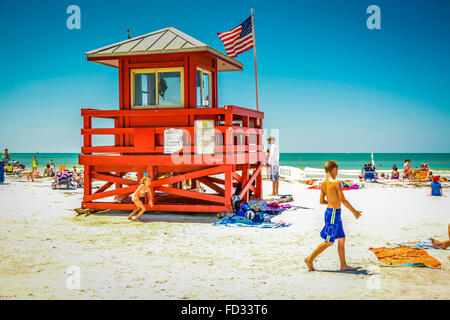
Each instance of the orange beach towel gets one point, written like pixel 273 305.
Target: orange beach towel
pixel 405 256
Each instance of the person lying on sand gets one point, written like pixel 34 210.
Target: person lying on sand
pixel 17 169
pixel 140 192
pixel 442 244
pixel 333 229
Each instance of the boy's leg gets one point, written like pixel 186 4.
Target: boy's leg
pixel 341 251
pixel 320 248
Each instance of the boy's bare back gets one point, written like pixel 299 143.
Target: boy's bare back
pixel 331 189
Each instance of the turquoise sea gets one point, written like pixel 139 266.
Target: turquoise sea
pixel 439 162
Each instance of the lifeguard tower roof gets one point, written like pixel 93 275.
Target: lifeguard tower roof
pixel 167 40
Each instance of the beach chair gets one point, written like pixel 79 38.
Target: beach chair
pixel 64 179
pixel 369 175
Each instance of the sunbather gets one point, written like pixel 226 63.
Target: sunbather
pixel 17 169
pixel 77 177
pixel 395 174
pixel 9 168
pixel 407 168
pixel 47 171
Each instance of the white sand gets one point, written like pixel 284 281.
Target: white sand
pixel 182 256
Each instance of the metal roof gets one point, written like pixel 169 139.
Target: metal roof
pixel 166 40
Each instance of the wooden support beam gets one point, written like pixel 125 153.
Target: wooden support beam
pixel 228 185
pixel 187 176
pixel 192 194
pixel 104 187
pixel 113 178
pixel 158 207
pixel 111 193
pixel 212 185
pixel 250 181
pixel 237 176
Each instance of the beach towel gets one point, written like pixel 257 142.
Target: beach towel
pixel 235 222
pixel 405 256
pixel 282 199
pixel 419 244
pixel 275 208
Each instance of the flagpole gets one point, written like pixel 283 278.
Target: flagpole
pixel 254 53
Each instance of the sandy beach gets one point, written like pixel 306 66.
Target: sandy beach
pixel 183 256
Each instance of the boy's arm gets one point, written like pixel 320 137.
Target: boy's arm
pixel 322 196
pixel 345 202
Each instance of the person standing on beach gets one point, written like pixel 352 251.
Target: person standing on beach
pixel 274 160
pixel 140 192
pixel 333 229
pixel 34 165
pixel 6 156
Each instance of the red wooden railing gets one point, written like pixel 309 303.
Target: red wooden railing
pixel 239 130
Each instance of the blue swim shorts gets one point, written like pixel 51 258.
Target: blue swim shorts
pixel 333 228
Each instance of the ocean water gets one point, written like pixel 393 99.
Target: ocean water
pixel 350 164
pixel 312 163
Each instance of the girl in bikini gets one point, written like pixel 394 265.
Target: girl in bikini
pixel 144 187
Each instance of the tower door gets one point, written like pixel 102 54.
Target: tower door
pixel 204 84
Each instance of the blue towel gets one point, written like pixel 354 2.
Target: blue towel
pixel 419 244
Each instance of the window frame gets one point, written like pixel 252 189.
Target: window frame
pixel 133 72
pixel 202 71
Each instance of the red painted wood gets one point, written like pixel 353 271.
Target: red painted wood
pixel 106 194
pixel 206 181
pixel 250 181
pixel 104 187
pixel 192 194
pixel 139 145
pixel 113 178
pixel 157 207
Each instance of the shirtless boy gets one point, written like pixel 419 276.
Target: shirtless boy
pixel 332 191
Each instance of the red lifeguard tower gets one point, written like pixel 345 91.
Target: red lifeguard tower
pixel 170 127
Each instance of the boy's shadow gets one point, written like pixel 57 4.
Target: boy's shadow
pixel 358 271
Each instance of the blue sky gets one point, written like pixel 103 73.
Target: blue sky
pixel 326 81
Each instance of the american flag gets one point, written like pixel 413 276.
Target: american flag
pixel 239 39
